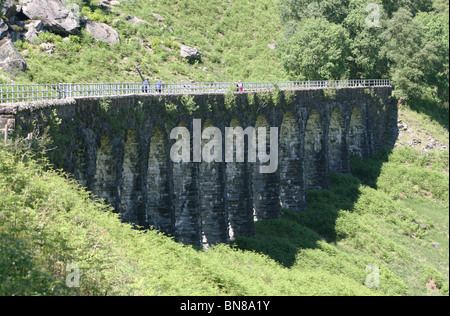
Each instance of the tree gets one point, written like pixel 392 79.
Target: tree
pixel 413 6
pixel 417 51
pixel 436 35
pixel 296 10
pixel 403 44
pixel 365 22
pixel 317 50
pixel 441 6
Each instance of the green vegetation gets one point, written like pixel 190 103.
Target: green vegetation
pixel 232 37
pixel 390 216
pixel 317 50
pixel 391 213
pixel 406 41
pixel 48 222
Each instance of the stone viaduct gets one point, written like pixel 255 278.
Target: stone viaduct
pixel 118 148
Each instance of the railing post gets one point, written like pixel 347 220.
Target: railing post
pixel 60 93
pixel 6 134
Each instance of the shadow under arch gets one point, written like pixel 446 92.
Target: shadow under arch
pixel 291 168
pixel 314 152
pixel 185 198
pixel 129 173
pixel 238 191
pixel 214 217
pixel 158 206
pixel 337 143
pixel 265 188
pixel 104 182
pixel 357 146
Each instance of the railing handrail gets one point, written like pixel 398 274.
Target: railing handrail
pixel 10 93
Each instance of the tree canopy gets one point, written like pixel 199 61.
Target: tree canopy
pixel 405 40
pixel 317 49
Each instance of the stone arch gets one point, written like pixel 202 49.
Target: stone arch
pixel 186 199
pixel 105 181
pixel 356 134
pixel 212 196
pixel 130 170
pixel 337 156
pixel 292 182
pixel 265 186
pixel 315 169
pixel 159 212
pixel 238 194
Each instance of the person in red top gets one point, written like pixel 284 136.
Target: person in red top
pixel 240 86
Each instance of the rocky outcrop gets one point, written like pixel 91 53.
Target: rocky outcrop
pixel 272 46
pixel 411 135
pixel 10 59
pixel 33 30
pixel 107 4
pixel 190 53
pixel 135 20
pixel 3 29
pixel 27 18
pixel 55 16
pixel 102 32
pixel 8 8
pixel 158 17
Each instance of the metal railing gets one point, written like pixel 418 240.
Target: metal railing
pixel 11 93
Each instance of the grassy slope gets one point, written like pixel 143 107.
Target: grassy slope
pixel 232 37
pixel 47 223
pixel 392 211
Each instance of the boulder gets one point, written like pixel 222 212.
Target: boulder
pixel 272 46
pixel 15 36
pixel 55 16
pixel 37 24
pixel 107 4
pixel 190 53
pixel 102 32
pixel 104 4
pixel 8 8
pixel 33 30
pixel 10 59
pixel 6 79
pixel 47 48
pixel 158 17
pixel 3 29
pixel 135 21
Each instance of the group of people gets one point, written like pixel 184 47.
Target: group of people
pixel 146 86
pixel 159 86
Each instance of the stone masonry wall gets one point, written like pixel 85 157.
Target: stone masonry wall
pixel 119 148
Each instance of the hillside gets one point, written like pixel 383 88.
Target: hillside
pixel 388 219
pixel 228 40
pixel 231 36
